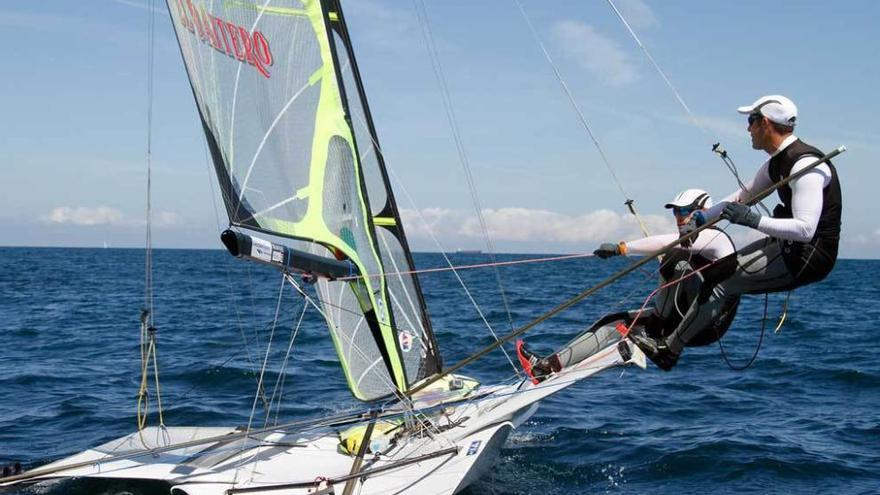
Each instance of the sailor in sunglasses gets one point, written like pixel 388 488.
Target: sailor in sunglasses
pixel 687 274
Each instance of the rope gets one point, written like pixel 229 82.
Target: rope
pixel 784 313
pixel 401 398
pixel 459 144
pixel 478 265
pixel 757 347
pixel 147 330
pixel 148 271
pixel 442 251
pixel 234 301
pixel 282 374
pixel 717 148
pixel 259 392
pixel 628 202
pixel 658 289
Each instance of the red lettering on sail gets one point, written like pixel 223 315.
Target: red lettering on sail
pixel 262 54
pixel 220 26
pixel 238 42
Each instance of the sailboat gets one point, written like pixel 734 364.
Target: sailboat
pixel 306 191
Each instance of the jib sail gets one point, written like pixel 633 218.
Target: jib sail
pixel 296 155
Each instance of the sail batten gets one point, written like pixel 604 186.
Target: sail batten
pixel 284 111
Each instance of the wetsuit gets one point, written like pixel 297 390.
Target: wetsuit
pixel 804 232
pixel 712 252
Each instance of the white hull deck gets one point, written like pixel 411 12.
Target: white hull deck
pixel 463 443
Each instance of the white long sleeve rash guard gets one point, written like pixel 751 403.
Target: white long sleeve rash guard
pixel 806 199
pixel 710 243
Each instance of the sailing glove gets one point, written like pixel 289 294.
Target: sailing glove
pixel 609 249
pixel 741 214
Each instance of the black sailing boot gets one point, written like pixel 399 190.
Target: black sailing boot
pixel 536 368
pixel 656 349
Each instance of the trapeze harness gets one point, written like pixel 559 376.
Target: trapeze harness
pixel 713 272
pixel 809 261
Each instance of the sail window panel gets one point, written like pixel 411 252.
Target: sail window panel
pixel 358 353
pixel 376 189
pixel 414 340
pixel 343 208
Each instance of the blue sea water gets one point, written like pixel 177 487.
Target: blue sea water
pixel 804 418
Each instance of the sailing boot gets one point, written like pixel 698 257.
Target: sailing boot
pixel 656 349
pixel 536 368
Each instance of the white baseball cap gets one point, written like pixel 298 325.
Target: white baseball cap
pixel 693 198
pixel 776 108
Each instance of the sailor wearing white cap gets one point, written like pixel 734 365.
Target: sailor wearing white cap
pixel 804 230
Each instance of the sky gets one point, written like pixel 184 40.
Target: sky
pixel 74 117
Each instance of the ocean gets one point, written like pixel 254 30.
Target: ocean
pixel 805 417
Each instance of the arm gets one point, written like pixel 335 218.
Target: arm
pixel 710 243
pixel 648 245
pixel 806 205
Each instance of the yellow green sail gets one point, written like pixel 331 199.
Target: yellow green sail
pixel 296 155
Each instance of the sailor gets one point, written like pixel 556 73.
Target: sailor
pixel 803 232
pixel 686 274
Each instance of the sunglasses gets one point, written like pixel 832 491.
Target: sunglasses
pixel 683 211
pixel 754 117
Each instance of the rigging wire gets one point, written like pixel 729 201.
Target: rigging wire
pixel 424 23
pixel 717 148
pixel 393 175
pixel 259 391
pixel 282 373
pixel 228 272
pixel 630 203
pixel 399 397
pixel 453 269
pixel 477 265
pixel 147 329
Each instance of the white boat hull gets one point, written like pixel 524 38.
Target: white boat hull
pixel 469 435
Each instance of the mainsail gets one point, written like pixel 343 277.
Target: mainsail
pixel 296 154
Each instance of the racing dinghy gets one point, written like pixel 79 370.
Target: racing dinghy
pixel 306 191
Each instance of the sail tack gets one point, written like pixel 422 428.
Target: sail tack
pixel 293 144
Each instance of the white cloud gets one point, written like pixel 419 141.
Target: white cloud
pixel 439 222
pixel 167 219
pixel 522 224
pixel 599 54
pixel 863 239
pixel 637 14
pixel 529 225
pixel 85 216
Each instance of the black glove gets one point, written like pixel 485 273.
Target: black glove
pixel 741 214
pixel 607 250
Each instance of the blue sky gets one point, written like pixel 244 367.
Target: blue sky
pixel 72 161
